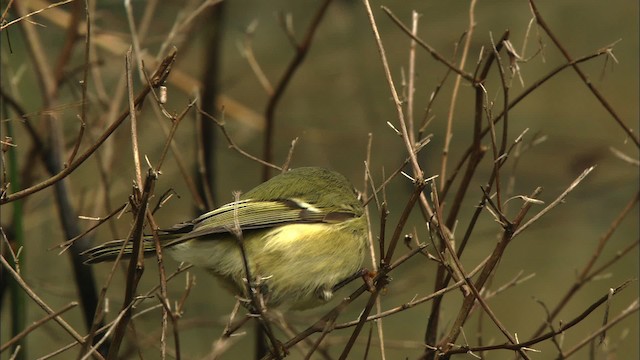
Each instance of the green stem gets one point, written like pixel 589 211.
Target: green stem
pixel 18 300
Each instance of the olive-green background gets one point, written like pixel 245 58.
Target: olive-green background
pixel 337 97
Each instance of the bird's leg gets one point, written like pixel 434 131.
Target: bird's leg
pixel 368 277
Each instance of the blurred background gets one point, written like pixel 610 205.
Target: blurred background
pixel 336 102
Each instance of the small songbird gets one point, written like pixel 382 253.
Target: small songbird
pixel 303 232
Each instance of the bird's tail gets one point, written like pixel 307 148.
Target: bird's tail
pixel 110 250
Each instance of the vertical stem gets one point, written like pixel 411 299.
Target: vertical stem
pixel 134 122
pixel 18 300
pixel 207 135
pixel 605 103
pixel 412 75
pixel 454 95
pixel 301 52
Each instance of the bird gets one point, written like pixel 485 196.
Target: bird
pixel 302 232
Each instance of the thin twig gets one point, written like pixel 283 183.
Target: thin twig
pixel 326 322
pixel 256 300
pixel 109 326
pixel 5 12
pixel 454 95
pixel 301 52
pixel 24 17
pixel 586 273
pixel 536 85
pixel 427 47
pixel 566 326
pixel 137 51
pixel 68 328
pixel 136 264
pixel 36 325
pixel 65 245
pixel 158 78
pixel 417 172
pixel 247 53
pixel 446 342
pixel 582 75
pixel 412 77
pixel 555 202
pixel 134 120
pixel 233 145
pixel 166 309
pixel 632 308
pixel 83 85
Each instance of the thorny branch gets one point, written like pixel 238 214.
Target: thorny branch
pixel 443 209
pixel 158 78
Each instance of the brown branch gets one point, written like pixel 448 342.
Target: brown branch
pixel 157 79
pixel 326 322
pixel 175 121
pixel 634 307
pixel 419 185
pixel 36 139
pixel 410 85
pixel 36 325
pixel 582 75
pixel 446 342
pixel 536 85
pixel 557 201
pixel 85 77
pixel 133 119
pixel 174 324
pixel 586 274
pixel 140 200
pixel 26 16
pixel 427 47
pixel 499 153
pixel 65 245
pixel 405 306
pixel 409 146
pixel 5 12
pixel 459 273
pixel 65 325
pixel 52 155
pixel 476 153
pixel 362 320
pixel 381 280
pixel 301 52
pixel 247 53
pixel 550 334
pixel 164 298
pixel 256 303
pixel 170 143
pixel 70 40
pixel 108 328
pixel 233 145
pixel 454 95
pixel 204 164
